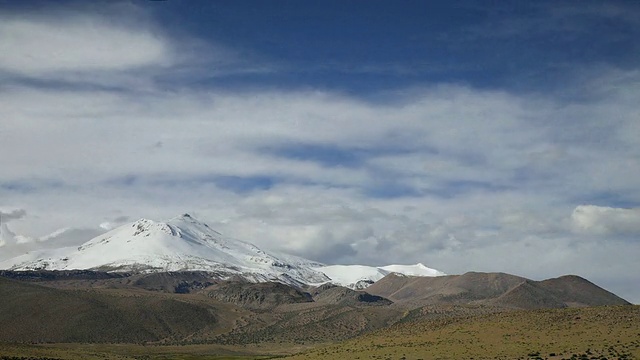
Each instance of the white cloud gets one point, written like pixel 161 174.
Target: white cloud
pixel 115 45
pixel 12 244
pixel 446 143
pixel 604 220
pixel 107 226
pixel 38 47
pixel 14 214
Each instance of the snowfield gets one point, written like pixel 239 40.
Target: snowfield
pixel 360 276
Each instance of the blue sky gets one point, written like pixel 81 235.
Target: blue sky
pixel 464 135
pixel 360 49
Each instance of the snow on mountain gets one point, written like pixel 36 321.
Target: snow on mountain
pixel 353 276
pixel 358 277
pixel 23 262
pixel 186 244
pixel 181 244
pixel 412 270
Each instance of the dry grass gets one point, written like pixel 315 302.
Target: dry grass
pixel 587 333
pixel 130 351
pixel 96 322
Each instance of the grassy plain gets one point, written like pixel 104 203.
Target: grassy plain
pixel 155 352
pixel 611 332
pixel 579 333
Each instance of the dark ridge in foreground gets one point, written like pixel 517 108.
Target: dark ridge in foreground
pixel 257 296
pixel 33 313
pixel 338 295
pixel 49 275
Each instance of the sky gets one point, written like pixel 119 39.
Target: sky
pixel 465 135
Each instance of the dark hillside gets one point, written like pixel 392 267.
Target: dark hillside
pixel 338 295
pixel 256 296
pixel 33 313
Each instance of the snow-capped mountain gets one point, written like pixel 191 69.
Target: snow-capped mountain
pixel 358 277
pixel 186 244
pixel 180 244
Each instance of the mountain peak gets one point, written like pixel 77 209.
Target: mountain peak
pixel 146 227
pixel 185 217
pixel 180 244
pixel 413 270
pixel 185 243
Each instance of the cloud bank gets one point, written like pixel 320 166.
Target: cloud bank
pixel 448 174
pixel 12 215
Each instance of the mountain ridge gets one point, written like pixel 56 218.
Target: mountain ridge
pixel 494 289
pixel 184 243
pixel 87 306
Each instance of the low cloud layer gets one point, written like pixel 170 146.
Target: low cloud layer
pixel 33 47
pixel 12 215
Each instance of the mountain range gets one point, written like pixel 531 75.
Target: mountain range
pixel 181 282
pixel 184 244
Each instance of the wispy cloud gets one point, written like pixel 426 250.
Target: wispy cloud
pixel 113 46
pixel 42 48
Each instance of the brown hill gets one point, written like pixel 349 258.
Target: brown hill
pixel 528 295
pixel 33 313
pixel 188 308
pixel 338 295
pixel 496 289
pixel 576 291
pixel 256 295
pixel 174 282
pixel 169 282
pixel 80 307
pixel 454 288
